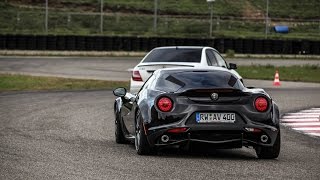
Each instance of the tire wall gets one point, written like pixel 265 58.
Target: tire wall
pixel 120 43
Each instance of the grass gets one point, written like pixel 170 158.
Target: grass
pixel 307 73
pixel 279 8
pixel 290 8
pixel 9 82
pixel 142 25
pixel 134 18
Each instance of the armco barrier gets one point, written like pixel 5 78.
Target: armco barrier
pixel 116 43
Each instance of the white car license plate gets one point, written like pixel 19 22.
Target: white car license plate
pixel 215 117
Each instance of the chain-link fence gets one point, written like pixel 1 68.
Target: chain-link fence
pixel 171 20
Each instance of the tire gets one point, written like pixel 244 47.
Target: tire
pixel 141 142
pixel 120 139
pixel 270 152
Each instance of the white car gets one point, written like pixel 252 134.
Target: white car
pixel 176 56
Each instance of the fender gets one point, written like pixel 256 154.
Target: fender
pixel 276 114
pixel 118 104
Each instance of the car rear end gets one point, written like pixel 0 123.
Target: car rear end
pixel 221 112
pixel 144 70
pixel 165 57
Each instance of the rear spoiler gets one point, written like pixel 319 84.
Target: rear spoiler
pixel 205 92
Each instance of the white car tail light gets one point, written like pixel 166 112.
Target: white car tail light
pixel 136 76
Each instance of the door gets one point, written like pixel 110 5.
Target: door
pixel 127 114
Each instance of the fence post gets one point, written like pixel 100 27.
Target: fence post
pixel 46 18
pixel 267 20
pixel 101 16
pixel 18 19
pixel 155 18
pixel 69 20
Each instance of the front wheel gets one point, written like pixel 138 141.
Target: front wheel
pixel 141 141
pixel 270 152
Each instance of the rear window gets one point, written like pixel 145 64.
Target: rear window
pixel 172 82
pixel 174 55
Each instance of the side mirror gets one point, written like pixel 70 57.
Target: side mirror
pixel 120 92
pixel 232 66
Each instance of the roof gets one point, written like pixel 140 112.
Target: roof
pixel 180 47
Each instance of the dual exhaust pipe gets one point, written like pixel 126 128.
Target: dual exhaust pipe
pixel 264 138
pixel 165 138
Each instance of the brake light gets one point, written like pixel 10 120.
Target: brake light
pixel 136 76
pixel 261 104
pixel 165 104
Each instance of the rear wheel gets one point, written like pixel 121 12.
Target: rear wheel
pixel 141 141
pixel 120 139
pixel 270 152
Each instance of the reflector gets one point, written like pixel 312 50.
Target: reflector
pixel 254 130
pixel 178 130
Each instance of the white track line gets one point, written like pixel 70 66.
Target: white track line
pixel 295 114
pixel 303 124
pixel 314 134
pixel 307 121
pixel 300 117
pixel 300 120
pixel 307 129
pixel 310 111
pixel 315 109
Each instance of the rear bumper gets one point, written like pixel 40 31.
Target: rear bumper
pixel 222 136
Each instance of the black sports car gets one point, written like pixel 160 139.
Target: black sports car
pixel 182 106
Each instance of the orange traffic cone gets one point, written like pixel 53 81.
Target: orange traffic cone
pixel 276 81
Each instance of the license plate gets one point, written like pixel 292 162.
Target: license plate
pixel 215 117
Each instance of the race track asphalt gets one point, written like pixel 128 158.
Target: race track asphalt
pixel 104 68
pixel 70 135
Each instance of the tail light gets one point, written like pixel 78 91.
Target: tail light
pixel 136 76
pixel 165 104
pixel 261 104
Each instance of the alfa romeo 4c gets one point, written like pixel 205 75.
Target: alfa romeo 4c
pixel 184 106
